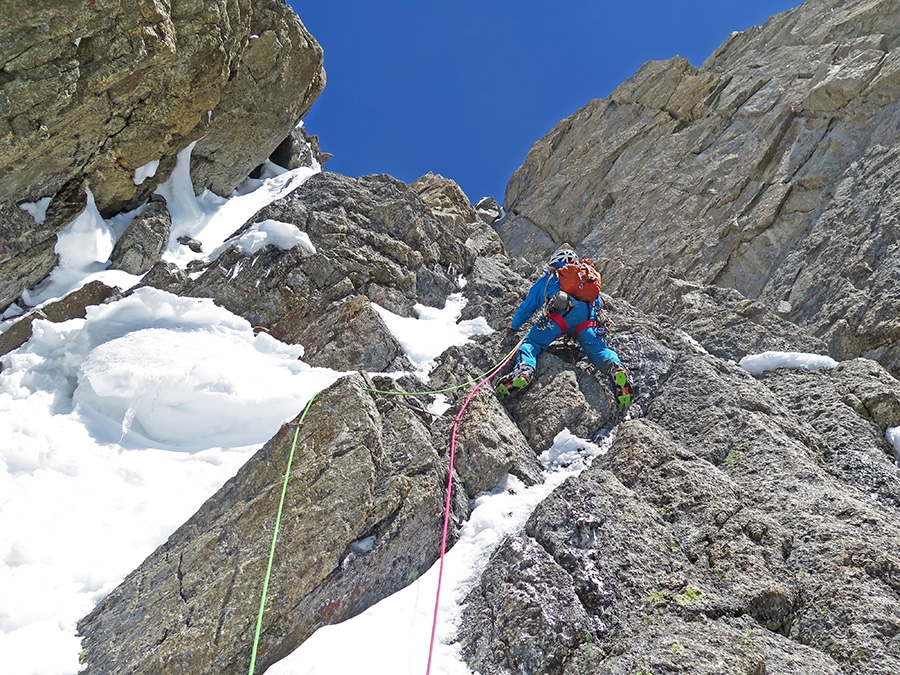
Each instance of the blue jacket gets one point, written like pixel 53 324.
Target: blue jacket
pixel 542 290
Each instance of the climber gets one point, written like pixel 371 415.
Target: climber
pixel 563 313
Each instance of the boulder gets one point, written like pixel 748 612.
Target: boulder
pixel 488 209
pixel 278 78
pixel 104 95
pixel 444 194
pixel 141 245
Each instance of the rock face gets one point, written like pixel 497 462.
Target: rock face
pixel 741 526
pixel 92 92
pixel 736 524
pixel 375 240
pixel 769 170
pixel 363 520
pixel 383 465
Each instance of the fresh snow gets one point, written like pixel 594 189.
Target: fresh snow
pixel 268 232
pixel 83 247
pixel 423 338
pixel 211 219
pixel 757 364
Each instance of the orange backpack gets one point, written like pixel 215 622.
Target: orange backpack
pixel 580 280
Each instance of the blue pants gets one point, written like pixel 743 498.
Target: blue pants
pixel 592 340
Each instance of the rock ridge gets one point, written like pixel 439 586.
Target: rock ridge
pixel 738 520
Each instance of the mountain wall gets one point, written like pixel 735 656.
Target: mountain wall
pixel 738 523
pixel 90 93
pixel 771 169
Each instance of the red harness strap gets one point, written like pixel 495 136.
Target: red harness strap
pixel 590 323
pixel 559 321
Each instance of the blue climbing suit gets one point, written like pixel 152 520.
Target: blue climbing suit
pixel 580 322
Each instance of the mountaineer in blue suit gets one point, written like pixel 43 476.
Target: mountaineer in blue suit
pixel 562 314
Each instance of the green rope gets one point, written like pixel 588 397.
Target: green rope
pixel 473 381
pixel 287 473
pixel 265 590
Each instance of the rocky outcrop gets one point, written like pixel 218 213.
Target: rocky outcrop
pixel 141 245
pixel 362 520
pixel 768 170
pixel 741 525
pixel 738 521
pixel 103 95
pixel 375 240
pixel 278 78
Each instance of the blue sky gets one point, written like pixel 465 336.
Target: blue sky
pixel 464 88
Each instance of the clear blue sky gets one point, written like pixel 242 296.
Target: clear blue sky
pixel 464 88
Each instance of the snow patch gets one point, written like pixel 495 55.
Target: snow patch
pixel 573 453
pixel 395 633
pixel 38 209
pixel 689 340
pixel 425 338
pixel 211 219
pixel 893 437
pixel 758 364
pixel 269 232
pixel 204 378
pixel 116 428
pixel 83 247
pixel 146 171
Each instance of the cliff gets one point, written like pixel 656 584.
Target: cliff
pixel 769 169
pixel 739 522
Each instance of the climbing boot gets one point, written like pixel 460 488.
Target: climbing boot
pixel 623 387
pixel 517 379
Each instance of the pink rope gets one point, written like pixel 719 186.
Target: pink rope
pixel 456 421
